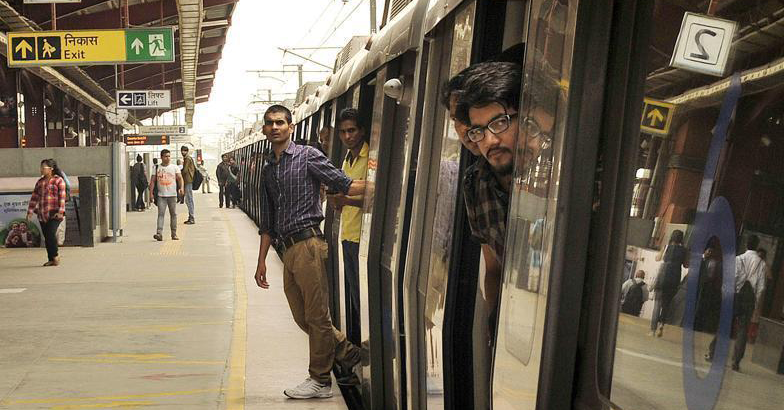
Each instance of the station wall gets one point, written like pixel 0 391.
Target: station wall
pixel 25 162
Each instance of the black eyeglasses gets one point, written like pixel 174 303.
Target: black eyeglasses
pixel 496 126
pixel 534 130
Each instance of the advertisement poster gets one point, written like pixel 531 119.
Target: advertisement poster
pixel 15 230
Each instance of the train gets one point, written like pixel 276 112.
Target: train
pixel 589 212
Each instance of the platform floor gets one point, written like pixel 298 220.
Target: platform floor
pixel 147 324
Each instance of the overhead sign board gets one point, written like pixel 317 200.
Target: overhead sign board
pixel 133 139
pixel 704 44
pixel 657 117
pixel 50 1
pixel 90 47
pixel 163 130
pixel 144 99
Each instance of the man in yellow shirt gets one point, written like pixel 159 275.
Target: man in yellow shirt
pixel 352 134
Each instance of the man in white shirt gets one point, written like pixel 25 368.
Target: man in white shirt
pixel 168 180
pixel 749 287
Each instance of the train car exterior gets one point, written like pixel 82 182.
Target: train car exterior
pixel 634 149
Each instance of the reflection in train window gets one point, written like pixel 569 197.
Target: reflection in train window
pixel 446 192
pixel 706 223
pixel 532 205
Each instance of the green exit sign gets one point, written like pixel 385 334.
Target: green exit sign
pixel 149 45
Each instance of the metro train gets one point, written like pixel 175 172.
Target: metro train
pixel 592 209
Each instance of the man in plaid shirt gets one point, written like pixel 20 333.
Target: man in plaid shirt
pixel 489 102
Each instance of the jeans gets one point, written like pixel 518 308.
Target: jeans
pixel 307 291
pixel 225 191
pixel 171 203
pixel 49 229
pixel 140 197
pixel 189 199
pixel 351 273
pixel 661 307
pixel 742 312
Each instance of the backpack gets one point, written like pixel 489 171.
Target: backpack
pixel 198 178
pixel 632 303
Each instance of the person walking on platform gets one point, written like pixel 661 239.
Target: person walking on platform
pixel 223 172
pixel 667 280
pixel 749 288
pixel 205 186
pixel 188 174
pixel 355 166
pixel 168 181
pixel 290 215
pixel 139 181
pixel 48 202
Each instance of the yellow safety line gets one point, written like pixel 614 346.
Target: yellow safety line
pixel 112 398
pixel 235 397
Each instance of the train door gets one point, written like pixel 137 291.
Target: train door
pixel 383 240
pixel 450 359
pixel 689 211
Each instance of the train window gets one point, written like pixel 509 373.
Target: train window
pixel 701 323
pixel 533 204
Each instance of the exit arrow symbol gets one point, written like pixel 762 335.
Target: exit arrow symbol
pixel 24 47
pixel 138 46
pixel 655 116
pixel 125 99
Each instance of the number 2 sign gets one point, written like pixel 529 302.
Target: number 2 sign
pixel 704 44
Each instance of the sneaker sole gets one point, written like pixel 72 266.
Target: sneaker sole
pixel 317 396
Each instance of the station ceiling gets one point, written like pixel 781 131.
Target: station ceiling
pixel 197 57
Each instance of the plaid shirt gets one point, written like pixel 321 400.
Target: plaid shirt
pixel 48 198
pixel 487 206
pixel 290 190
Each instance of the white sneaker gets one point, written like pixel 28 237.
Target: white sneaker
pixel 310 389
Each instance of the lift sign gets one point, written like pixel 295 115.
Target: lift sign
pixel 90 47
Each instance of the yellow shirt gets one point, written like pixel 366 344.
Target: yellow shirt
pixel 351 216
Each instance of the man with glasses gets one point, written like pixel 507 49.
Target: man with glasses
pixel 489 103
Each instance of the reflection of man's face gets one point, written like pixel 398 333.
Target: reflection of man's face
pixel 539 121
pixel 22 228
pixel 351 134
pixel 498 148
pixel 325 139
pixel 461 128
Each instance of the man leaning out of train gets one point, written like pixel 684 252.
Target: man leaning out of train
pixel 291 214
pixel 489 101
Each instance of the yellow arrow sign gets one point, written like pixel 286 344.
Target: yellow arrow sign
pixel 655 116
pixel 23 48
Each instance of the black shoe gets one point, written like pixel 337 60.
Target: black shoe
pixel 158 237
pixel 344 371
pixel 190 222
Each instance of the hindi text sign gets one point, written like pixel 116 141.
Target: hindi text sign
pixel 90 47
pixel 144 99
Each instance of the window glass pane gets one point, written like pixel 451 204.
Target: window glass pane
pixel 443 228
pixel 700 323
pixel 533 203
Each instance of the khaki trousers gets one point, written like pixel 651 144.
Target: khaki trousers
pixel 307 291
